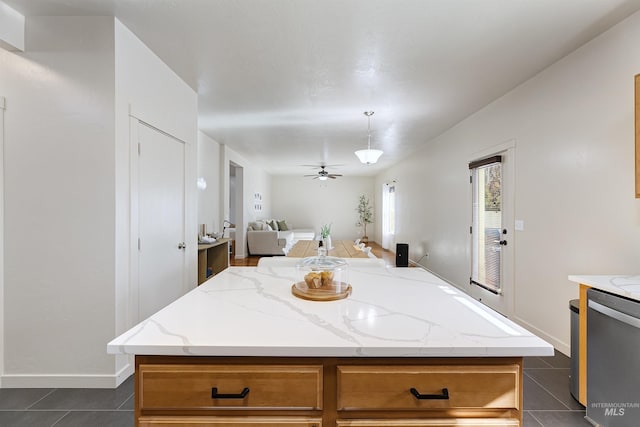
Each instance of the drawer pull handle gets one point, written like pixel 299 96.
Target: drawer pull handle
pixel 241 395
pixel 418 395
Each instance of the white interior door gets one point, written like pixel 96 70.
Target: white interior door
pixel 161 220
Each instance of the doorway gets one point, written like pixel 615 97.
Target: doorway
pixel 158 219
pixel 492 190
pixel 236 208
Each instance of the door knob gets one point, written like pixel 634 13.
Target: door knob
pixel 181 245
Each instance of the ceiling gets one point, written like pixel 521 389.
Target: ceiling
pixel 286 82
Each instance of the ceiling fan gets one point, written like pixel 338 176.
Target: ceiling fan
pixel 323 175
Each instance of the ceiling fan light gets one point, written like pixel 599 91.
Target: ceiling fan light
pixel 369 156
pixel 322 177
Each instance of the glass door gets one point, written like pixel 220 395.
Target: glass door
pixel 490 250
pixel 486 229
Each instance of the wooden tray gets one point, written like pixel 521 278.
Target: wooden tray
pixel 325 293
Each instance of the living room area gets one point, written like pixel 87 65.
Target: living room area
pixel 251 197
pixel 334 211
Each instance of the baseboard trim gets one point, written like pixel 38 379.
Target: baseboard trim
pixel 561 346
pixel 67 381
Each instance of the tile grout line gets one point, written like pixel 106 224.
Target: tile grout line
pixel 544 361
pixel 125 401
pixel 535 418
pixel 548 391
pixel 61 418
pixel 41 399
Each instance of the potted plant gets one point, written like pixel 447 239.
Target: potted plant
pixel 325 232
pixel 365 216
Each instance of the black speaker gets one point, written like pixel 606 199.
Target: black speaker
pixel 402 255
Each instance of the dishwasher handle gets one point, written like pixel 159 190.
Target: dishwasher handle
pixel 622 317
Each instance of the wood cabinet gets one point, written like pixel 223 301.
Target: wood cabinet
pixel 231 422
pixel 334 392
pixel 427 387
pixel 184 386
pixel 456 422
pixel 212 258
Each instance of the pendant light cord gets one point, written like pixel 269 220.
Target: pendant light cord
pixel 369 114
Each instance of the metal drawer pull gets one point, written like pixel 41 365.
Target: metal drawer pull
pixel 443 396
pixel 241 395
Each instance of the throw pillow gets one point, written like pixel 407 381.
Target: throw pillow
pixel 282 226
pixel 273 225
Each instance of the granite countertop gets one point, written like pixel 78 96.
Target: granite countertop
pixel 392 312
pixel 626 286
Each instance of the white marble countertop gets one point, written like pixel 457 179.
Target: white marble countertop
pixel 392 312
pixel 626 286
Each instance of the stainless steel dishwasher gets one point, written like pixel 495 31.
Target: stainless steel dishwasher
pixel 613 360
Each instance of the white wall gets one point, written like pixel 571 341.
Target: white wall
pixel 59 191
pixel 66 277
pixel 310 203
pixel 573 126
pixel 209 200
pixel 148 89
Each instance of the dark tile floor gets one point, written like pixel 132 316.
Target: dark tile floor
pixel 547 399
pixel 547 402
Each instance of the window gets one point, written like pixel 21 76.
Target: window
pixel 388 215
pixel 486 228
pixel 390 206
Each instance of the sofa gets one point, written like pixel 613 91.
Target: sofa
pixel 272 237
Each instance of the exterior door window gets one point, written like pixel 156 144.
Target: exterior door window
pixel 487 230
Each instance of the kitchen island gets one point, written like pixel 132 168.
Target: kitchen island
pixel 405 349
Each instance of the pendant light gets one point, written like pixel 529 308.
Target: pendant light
pixel 369 156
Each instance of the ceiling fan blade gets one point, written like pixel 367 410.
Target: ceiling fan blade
pixel 311 175
pixel 319 166
pixel 331 176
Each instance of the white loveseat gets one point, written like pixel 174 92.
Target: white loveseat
pixel 262 239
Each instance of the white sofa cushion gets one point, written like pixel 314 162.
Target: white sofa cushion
pixel 266 242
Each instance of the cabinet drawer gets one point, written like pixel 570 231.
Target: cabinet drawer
pixel 456 422
pixel 229 422
pixel 230 387
pixel 393 387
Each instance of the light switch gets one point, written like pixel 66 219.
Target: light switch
pixel 519 225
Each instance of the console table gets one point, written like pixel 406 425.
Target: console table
pixel 214 256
